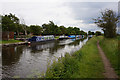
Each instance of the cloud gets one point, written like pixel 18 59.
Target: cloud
pixel 61 12
pixel 59 0
pixel 86 11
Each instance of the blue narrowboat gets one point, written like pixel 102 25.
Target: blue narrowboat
pixel 72 36
pixel 76 36
pixel 41 38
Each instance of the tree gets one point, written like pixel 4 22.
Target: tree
pixel 24 26
pixel 76 30
pixel 97 33
pixel 28 30
pixel 46 29
pixel 58 31
pixel 70 31
pixel 9 22
pixel 83 33
pixel 108 22
pixel 55 30
pixel 0 18
pixel 19 29
pixel 93 33
pixel 51 29
pixel 89 33
pixel 36 29
pixel 63 30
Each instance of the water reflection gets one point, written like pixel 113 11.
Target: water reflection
pixel 11 55
pixel 23 60
pixel 40 47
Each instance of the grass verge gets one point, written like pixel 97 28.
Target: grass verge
pixel 56 37
pixel 9 41
pixel 112 51
pixel 85 63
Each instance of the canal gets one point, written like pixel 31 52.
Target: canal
pixel 27 60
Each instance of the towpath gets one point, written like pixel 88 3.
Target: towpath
pixel 109 71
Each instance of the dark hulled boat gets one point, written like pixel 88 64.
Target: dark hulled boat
pixel 41 38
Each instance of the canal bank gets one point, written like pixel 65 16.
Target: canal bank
pixel 87 62
pixel 27 60
pixel 14 44
pixel 84 63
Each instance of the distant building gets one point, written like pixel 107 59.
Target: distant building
pixel 7 35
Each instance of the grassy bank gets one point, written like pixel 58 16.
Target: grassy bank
pixel 9 41
pixel 110 48
pixel 85 63
pixel 56 37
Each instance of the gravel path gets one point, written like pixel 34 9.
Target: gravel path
pixel 109 71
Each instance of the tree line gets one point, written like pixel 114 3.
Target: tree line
pixel 107 22
pixel 12 23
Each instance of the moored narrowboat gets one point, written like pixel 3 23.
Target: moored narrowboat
pixel 41 38
pixel 63 37
pixel 72 36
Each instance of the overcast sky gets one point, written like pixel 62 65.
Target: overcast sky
pixel 61 12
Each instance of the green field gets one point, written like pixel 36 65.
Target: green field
pixel 85 63
pixel 9 41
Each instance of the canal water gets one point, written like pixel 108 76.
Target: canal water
pixel 26 60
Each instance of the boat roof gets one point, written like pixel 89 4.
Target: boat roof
pixel 43 36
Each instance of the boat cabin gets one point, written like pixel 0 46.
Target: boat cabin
pixel 41 38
